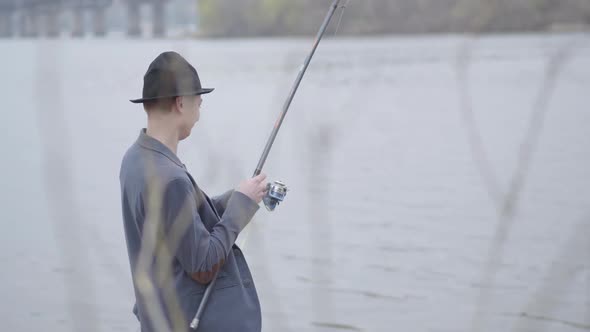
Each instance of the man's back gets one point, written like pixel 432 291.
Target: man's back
pixel 177 237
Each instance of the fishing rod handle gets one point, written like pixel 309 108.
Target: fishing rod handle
pixel 195 322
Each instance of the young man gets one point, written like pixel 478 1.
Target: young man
pixel 177 237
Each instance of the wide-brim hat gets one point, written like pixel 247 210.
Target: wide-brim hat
pixel 170 75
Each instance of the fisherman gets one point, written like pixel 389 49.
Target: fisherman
pixel 177 236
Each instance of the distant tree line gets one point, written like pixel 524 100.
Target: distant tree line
pixel 295 17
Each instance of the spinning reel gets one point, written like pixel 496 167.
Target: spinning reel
pixel 275 194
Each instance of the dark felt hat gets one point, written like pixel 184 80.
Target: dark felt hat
pixel 170 75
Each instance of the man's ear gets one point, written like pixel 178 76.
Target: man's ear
pixel 179 102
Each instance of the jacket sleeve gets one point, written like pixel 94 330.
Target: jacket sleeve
pixel 200 252
pixel 220 201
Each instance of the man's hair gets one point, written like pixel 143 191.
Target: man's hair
pixel 161 104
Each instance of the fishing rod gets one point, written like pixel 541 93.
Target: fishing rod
pixel 276 191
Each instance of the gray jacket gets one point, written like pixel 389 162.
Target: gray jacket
pixel 186 236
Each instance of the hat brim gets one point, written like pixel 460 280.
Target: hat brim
pixel 196 93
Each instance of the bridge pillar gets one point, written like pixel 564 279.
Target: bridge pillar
pixel 6 29
pixel 159 17
pixel 78 22
pixel 99 22
pixel 52 21
pixel 21 24
pixel 133 18
pixel 30 23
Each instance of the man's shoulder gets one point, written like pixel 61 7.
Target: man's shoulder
pixel 141 164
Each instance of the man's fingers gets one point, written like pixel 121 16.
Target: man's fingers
pixel 260 177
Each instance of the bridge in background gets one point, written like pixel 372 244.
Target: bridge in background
pixel 41 18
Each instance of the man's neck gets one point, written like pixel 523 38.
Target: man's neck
pixel 166 134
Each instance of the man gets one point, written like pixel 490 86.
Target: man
pixel 177 237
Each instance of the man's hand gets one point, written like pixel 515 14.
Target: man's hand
pixel 255 188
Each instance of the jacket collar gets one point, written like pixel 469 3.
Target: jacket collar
pixel 153 144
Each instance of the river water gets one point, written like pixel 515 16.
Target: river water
pixel 399 154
